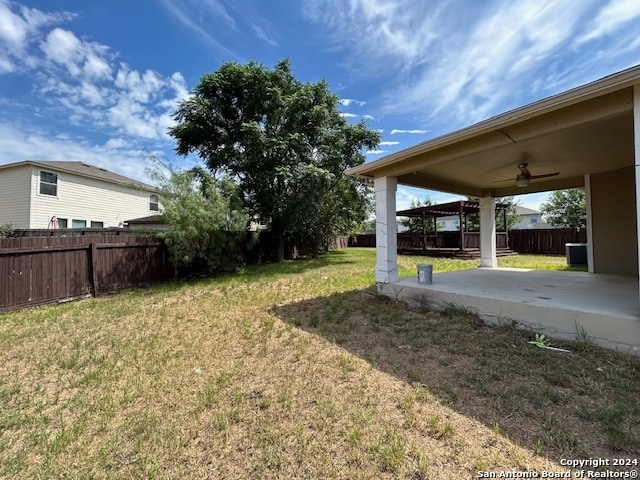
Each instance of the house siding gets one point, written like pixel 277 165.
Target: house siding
pixel 81 198
pixel 614 223
pixel 14 196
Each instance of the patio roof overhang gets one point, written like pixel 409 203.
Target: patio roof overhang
pixel 587 130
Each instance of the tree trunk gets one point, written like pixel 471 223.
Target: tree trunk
pixel 278 243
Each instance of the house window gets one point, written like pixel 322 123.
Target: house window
pixel 49 183
pixel 97 224
pixel 78 223
pixel 62 222
pixel 153 202
pixel 534 220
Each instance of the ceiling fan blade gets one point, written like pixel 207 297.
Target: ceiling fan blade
pixel 533 177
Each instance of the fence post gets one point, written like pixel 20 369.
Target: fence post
pixel 93 259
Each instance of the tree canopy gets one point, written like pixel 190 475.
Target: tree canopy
pixel 565 208
pixel 286 145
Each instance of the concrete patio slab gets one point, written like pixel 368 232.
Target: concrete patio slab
pixel 566 305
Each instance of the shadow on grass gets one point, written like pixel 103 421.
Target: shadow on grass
pixel 577 405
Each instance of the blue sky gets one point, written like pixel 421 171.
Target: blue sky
pixel 98 81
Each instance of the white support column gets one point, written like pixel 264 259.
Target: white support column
pixel 636 149
pixel 488 256
pixel 386 230
pixel 587 198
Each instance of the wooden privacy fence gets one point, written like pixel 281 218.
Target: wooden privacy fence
pixel 37 270
pixel 548 241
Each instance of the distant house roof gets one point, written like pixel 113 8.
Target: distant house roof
pixel 152 222
pixel 151 219
pixel 526 211
pixel 84 170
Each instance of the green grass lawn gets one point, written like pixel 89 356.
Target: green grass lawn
pixel 299 370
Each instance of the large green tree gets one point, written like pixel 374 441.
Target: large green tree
pixel 565 208
pixel 284 142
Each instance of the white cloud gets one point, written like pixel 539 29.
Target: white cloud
pixel 454 63
pixel 353 115
pixel 214 8
pixel 18 28
pixel 64 48
pixel 375 152
pixel 6 65
pixel 378 31
pixel 93 94
pixel 13 27
pixel 261 34
pixel 79 58
pixel 348 101
pixel 116 143
pixel 395 130
pixel 190 14
pixel 96 67
pixel 609 18
pixel 79 83
pixel 139 87
pixel 389 143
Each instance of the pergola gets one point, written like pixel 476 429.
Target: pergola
pixel 462 208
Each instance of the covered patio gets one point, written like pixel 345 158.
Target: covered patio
pixel 568 305
pixel 588 138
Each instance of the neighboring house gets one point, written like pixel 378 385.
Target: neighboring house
pixel 529 219
pixel 450 223
pixel 42 194
pixel 526 218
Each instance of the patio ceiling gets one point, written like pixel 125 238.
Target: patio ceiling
pixel 587 130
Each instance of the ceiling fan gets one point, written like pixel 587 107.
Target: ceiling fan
pixel 524 177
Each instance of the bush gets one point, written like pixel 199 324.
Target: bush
pixel 207 226
pixel 7 230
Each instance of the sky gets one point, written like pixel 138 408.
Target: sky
pixel 98 81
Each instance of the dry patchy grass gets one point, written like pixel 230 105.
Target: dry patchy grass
pixel 296 371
